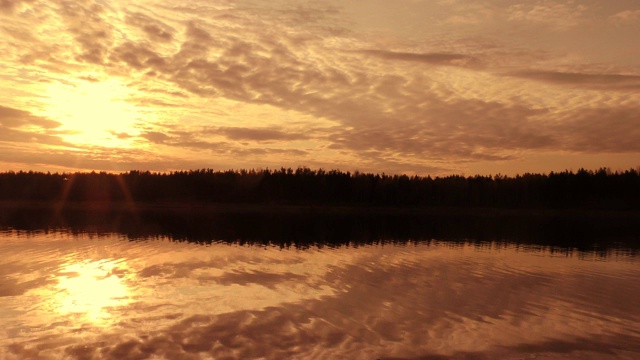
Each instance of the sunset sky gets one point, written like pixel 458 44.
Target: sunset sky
pixel 428 87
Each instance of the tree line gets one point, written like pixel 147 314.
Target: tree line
pixel 599 189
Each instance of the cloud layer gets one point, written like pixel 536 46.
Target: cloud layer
pixel 240 85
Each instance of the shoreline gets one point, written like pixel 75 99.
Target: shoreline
pixel 309 209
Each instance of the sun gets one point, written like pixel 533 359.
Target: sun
pixel 92 290
pixel 93 112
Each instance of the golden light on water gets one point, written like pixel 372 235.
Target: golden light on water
pixel 80 297
pixel 93 113
pixel 91 290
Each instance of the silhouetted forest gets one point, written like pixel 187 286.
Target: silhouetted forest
pixel 588 189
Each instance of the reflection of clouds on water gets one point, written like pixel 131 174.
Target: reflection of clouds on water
pixel 402 302
pixel 205 273
pixel 15 287
pixel 299 332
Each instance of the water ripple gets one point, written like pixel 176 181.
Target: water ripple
pixel 99 295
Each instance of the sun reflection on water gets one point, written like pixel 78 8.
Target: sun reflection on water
pixel 92 289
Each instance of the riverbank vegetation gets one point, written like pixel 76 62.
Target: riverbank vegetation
pixel 584 189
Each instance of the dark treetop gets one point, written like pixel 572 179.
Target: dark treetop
pixel 584 189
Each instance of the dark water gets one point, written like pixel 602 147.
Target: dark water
pixel 195 285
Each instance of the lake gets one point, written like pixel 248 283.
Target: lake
pixel 201 285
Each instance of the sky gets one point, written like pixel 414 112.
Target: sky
pixel 427 87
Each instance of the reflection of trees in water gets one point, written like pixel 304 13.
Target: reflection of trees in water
pixel 302 228
pixel 601 189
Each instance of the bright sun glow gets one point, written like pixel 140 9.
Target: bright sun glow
pixel 93 112
pixel 92 290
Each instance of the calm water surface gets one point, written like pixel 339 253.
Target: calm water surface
pixel 87 296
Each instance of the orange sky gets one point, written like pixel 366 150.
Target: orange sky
pixel 405 86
